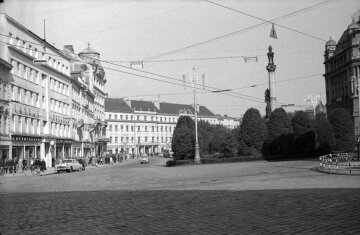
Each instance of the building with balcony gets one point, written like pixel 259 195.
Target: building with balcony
pixel 137 126
pixel 88 102
pixel 40 103
pixel 53 104
pixel 342 71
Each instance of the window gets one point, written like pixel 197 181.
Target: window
pixel 138 128
pixel 116 139
pixel 146 139
pixel 116 127
pixel 110 127
pixel 122 139
pixel 115 116
pixel 121 116
pixel 121 127
pixel 111 140
pixel 109 116
pixel 138 139
pixel 146 129
pixel 127 128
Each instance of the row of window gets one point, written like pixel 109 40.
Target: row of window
pixel 28 97
pixel 59 87
pixel 128 128
pixel 25 72
pixel 145 118
pixel 59 107
pixel 115 139
pixel 60 130
pixel 25 125
pixel 31 50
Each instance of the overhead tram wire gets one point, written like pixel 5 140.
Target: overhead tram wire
pixel 236 95
pixel 238 31
pixel 265 21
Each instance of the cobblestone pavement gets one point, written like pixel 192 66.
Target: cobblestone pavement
pixel 299 211
pixel 132 198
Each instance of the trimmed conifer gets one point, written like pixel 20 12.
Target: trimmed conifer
pixel 252 133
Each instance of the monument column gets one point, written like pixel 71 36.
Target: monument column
pixel 271 67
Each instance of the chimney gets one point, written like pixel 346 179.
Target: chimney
pixel 69 47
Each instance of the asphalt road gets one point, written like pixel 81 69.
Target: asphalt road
pixel 133 198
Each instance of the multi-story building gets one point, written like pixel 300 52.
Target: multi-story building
pixel 5 138
pixel 137 126
pixel 342 70
pixel 88 102
pixel 42 96
pixel 40 106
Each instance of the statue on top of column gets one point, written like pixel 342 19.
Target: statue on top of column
pixel 271 66
pixel 270 55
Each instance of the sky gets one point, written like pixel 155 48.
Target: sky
pixel 147 30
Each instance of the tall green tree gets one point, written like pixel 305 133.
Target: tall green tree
pixel 252 133
pixel 324 134
pixel 183 141
pixel 343 127
pixel 280 139
pixel 304 132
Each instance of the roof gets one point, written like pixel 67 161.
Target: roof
pixel 331 42
pixel 140 105
pixel 354 25
pixel 117 105
pixel 120 105
pixel 89 50
pixel 203 111
pixel 170 108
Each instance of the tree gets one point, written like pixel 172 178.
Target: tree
pixel 252 133
pixel 280 139
pixel 324 134
pixel 304 132
pixel 183 142
pixel 343 127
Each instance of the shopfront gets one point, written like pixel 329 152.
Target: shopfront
pixel 76 149
pixel 25 148
pixel 88 150
pixel 63 148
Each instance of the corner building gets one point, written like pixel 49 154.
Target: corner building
pixel 342 68
pixel 53 107
pixel 40 103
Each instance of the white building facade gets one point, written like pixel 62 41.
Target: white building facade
pixel 138 127
pixel 39 98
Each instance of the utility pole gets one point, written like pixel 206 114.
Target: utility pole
pixel 193 76
pixel 314 101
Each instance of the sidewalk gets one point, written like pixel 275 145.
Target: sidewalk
pixel 51 170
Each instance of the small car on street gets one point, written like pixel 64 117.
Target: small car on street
pixel 69 165
pixel 144 159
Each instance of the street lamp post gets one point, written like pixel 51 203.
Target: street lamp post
pixel 193 76
pixel 356 80
pixel 314 100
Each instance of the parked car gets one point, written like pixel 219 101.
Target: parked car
pixel 69 165
pixel 144 159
